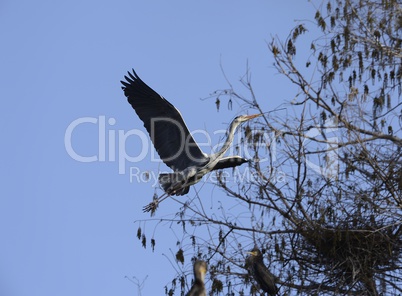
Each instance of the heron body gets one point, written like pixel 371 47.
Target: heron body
pixel 198 287
pixel 173 141
pixel 260 272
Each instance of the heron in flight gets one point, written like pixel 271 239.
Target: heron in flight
pixel 173 141
pixel 198 288
pixel 260 272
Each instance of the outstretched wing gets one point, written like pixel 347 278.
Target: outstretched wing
pixel 169 134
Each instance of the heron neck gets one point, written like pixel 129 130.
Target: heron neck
pixel 201 277
pixel 229 139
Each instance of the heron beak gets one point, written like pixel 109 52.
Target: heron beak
pixel 252 116
pixel 251 253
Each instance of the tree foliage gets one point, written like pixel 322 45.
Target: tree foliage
pixel 323 195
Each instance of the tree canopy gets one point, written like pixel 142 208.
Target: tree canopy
pixel 322 197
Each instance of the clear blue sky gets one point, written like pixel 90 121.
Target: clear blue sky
pixel 68 227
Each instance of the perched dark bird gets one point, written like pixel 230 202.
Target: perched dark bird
pixel 198 288
pixel 173 141
pixel 260 272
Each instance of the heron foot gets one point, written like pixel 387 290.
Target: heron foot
pixel 151 207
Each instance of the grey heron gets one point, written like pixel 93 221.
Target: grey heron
pixel 260 272
pixel 173 141
pixel 198 288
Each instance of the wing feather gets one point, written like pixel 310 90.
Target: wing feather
pixel 165 125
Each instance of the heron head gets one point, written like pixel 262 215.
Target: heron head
pixel 244 118
pixel 200 269
pixel 255 252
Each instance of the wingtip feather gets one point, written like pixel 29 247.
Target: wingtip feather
pixel 132 76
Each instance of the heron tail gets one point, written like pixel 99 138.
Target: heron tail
pixel 170 181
